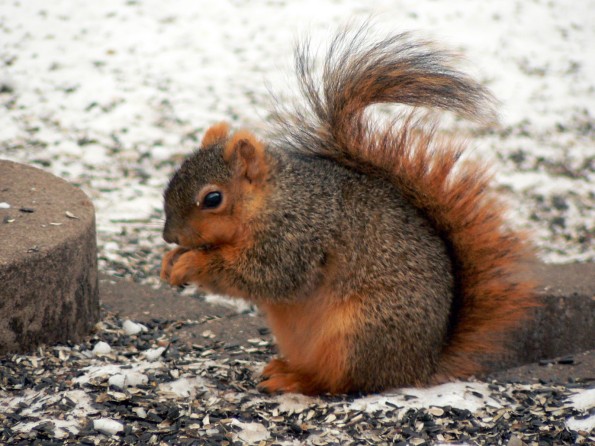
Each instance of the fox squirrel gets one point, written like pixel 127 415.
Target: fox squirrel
pixel 379 258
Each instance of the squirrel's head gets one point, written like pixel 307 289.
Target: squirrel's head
pixel 216 191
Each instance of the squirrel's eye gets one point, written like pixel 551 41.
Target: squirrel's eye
pixel 212 200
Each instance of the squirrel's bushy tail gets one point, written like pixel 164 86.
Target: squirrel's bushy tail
pixel 453 194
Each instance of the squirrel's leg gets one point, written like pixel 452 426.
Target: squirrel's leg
pixel 275 367
pixel 315 339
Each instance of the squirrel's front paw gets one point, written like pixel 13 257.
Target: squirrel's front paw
pixel 168 262
pixel 187 268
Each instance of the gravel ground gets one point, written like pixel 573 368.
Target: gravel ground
pixel 135 384
pixel 111 95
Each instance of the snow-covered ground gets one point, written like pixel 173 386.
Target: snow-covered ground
pixel 111 95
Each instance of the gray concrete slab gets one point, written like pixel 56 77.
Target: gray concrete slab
pixel 565 322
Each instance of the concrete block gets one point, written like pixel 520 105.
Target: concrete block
pixel 48 260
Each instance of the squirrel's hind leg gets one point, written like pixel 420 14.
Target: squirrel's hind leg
pixel 315 339
pixel 275 367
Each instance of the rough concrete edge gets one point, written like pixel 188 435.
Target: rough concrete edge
pixel 564 324
pixel 54 292
pixel 63 309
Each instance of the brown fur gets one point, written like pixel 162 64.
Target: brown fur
pixel 364 245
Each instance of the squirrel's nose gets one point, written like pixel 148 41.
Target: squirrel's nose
pixel 169 237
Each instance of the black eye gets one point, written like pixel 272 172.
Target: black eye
pixel 212 200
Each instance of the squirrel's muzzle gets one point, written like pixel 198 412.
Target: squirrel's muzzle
pixel 168 235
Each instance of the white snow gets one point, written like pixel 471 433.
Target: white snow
pixel 34 401
pixel 107 426
pixel 584 400
pixel 584 424
pixel 133 328
pixel 132 373
pixel 127 379
pixel 153 354
pixel 463 395
pixel 294 403
pixel 251 432
pixel 238 305
pixel 101 348
pixel 184 387
pixel 472 396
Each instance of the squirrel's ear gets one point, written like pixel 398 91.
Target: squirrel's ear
pixel 215 134
pixel 248 153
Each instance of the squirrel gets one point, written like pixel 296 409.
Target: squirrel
pixel 379 257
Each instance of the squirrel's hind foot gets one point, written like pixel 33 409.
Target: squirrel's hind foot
pixel 279 378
